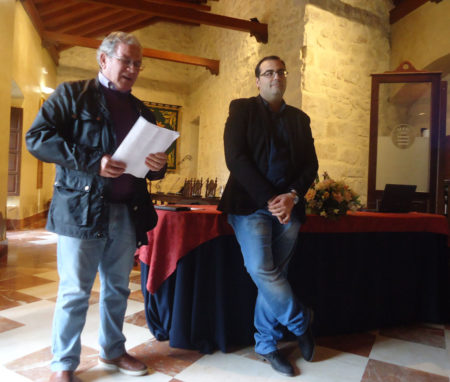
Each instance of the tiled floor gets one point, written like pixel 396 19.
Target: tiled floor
pixel 28 286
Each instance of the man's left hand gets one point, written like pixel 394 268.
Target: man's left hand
pixel 281 206
pixel 156 161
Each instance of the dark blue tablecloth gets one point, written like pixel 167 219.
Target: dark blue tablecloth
pixel 353 281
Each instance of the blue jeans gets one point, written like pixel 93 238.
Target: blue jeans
pixel 78 263
pixel 267 246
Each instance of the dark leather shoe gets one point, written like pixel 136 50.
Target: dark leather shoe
pixel 126 364
pixel 63 376
pixel 306 340
pixel 278 363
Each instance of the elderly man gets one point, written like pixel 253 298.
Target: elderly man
pixel 270 153
pixel 99 213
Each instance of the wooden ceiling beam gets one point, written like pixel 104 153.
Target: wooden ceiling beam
pixel 68 10
pixel 108 23
pixel 67 17
pixel 125 21
pixel 198 7
pixel 403 8
pixel 211 65
pixel 47 9
pixel 33 13
pixel 85 24
pixel 259 30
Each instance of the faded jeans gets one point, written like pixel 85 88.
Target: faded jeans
pixel 78 263
pixel 266 247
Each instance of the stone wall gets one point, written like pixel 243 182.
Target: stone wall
pixel 239 53
pixel 343 44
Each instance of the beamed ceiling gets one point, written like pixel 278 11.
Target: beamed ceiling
pixel 63 24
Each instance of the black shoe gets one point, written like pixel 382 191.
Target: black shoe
pixel 279 363
pixel 306 340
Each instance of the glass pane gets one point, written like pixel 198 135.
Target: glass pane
pixel 404 118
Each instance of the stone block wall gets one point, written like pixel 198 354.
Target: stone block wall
pixel 343 45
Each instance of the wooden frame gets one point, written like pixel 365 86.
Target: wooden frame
pixel 167 116
pixel 406 73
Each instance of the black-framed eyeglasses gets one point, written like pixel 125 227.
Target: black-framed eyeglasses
pixel 127 62
pixel 282 73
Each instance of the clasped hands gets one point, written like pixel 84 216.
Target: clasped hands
pixel 110 168
pixel 281 206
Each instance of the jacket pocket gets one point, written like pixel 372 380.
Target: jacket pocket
pixel 87 129
pixel 70 202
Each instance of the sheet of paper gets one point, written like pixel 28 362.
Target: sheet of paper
pixel 144 138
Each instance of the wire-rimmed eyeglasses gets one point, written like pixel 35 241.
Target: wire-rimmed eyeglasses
pixel 282 73
pixel 127 62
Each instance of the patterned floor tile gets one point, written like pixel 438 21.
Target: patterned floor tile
pixel 137 319
pixel 44 291
pixel 7 324
pixel 419 353
pixel 420 334
pixel 417 356
pixel 135 277
pixel 22 282
pixel 11 298
pixel 137 296
pixel 36 366
pixel 161 357
pixel 357 343
pixel 377 371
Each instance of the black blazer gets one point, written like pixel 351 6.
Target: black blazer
pixel 247 144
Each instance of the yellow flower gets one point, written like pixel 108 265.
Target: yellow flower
pixel 310 194
pixel 323 196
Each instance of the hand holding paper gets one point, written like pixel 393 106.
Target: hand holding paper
pixel 156 161
pixel 143 139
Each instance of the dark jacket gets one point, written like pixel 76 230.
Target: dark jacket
pixel 73 129
pixel 247 145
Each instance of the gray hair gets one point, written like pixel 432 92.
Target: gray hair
pixel 109 44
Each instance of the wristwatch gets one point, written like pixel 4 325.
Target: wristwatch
pixel 296 198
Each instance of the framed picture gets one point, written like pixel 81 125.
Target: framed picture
pixel 167 116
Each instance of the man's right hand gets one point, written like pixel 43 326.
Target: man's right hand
pixel 110 168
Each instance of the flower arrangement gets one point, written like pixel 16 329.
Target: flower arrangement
pixel 330 198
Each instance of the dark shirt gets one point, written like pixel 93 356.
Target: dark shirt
pixel 123 116
pixel 279 155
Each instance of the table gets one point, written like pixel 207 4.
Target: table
pixel 364 271
pixel 180 199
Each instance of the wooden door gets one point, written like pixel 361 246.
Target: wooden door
pixel 15 147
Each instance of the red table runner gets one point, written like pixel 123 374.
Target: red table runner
pixel 179 232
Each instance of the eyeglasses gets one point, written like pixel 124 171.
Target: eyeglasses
pixel 282 73
pixel 127 62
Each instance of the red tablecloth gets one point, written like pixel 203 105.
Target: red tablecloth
pixel 178 233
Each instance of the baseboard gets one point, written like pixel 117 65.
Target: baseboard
pixel 35 221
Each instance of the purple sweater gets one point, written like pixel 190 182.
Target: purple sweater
pixel 123 116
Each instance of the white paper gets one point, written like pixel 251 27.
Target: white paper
pixel 144 138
